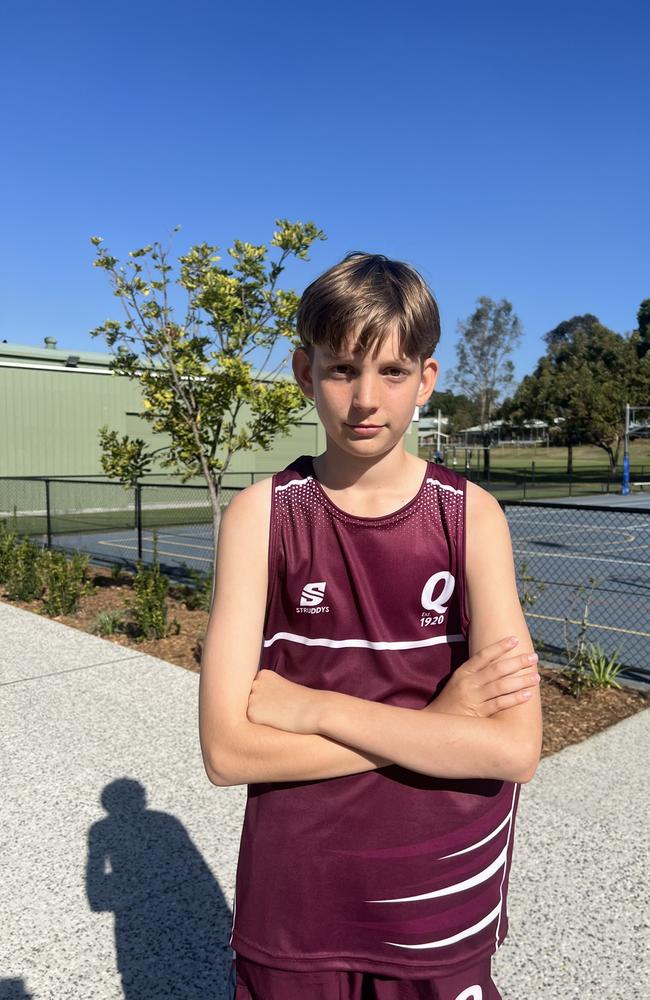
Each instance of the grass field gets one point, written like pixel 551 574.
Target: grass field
pixel 513 477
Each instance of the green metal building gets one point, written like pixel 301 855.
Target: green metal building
pixel 53 402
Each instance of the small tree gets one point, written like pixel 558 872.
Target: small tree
pixel 487 338
pixel 195 375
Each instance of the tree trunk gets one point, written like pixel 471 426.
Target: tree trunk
pixel 486 455
pixel 569 457
pixel 214 489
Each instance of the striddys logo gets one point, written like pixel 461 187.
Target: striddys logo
pixel 311 599
pixel 435 598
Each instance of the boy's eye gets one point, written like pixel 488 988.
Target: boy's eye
pixel 346 369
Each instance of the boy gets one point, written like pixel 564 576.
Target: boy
pixel 385 737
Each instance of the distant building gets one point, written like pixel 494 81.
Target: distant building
pixel 428 431
pixel 501 432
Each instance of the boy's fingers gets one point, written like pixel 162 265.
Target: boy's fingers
pixel 506 701
pixel 522 680
pixel 489 654
pixel 511 666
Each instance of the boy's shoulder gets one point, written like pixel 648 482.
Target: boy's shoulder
pixel 253 503
pixel 480 501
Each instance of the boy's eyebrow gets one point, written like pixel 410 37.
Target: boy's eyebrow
pixel 353 357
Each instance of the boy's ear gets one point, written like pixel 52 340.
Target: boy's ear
pixel 428 379
pixel 302 371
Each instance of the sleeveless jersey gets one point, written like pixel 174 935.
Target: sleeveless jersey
pixel 390 871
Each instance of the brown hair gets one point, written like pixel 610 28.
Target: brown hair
pixel 369 295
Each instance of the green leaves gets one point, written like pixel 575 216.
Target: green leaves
pixel 199 387
pixel 124 459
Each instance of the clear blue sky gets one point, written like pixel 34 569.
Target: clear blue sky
pixel 502 148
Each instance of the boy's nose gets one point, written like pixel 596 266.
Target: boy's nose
pixel 365 395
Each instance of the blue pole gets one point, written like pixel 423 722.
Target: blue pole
pixel 625 488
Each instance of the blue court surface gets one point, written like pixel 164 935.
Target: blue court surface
pixel 568 543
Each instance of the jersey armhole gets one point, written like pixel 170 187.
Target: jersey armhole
pixel 462 551
pixel 273 552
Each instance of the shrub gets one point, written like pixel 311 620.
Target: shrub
pixel 149 609
pixel 64 581
pixel 8 545
pixel 602 672
pixel 23 581
pixel 198 595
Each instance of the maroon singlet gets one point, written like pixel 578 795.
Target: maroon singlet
pixel 391 871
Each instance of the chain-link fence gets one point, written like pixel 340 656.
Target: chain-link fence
pixel 534 480
pixel 583 574
pixel 116 524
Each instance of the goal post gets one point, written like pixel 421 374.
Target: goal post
pixel 630 418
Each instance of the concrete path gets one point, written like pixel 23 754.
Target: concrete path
pixel 119 857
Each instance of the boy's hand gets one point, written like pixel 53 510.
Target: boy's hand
pixel 278 702
pixel 487 683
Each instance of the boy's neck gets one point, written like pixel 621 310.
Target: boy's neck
pixel 394 472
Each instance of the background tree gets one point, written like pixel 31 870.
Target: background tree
pixel 460 410
pixel 198 384
pixel 586 376
pixel 484 369
pixel 642 338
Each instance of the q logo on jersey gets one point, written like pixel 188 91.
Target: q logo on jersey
pixel 436 602
pixel 471 993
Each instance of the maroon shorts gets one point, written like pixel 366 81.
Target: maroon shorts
pixel 260 982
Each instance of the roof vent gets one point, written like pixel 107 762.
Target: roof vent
pixel 51 343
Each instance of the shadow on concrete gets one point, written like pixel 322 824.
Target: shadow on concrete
pixel 172 923
pixel 13 989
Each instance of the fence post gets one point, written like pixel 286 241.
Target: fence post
pixel 138 516
pixel 524 487
pixel 49 518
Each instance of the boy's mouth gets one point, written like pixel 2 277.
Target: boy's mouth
pixel 365 430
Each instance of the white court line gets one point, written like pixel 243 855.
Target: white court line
pixel 124 545
pixel 161 552
pixel 572 555
pixel 610 529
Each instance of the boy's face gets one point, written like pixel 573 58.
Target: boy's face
pixel 365 402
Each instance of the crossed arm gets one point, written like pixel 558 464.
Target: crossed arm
pixel 259 727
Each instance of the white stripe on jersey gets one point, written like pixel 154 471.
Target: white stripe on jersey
pixel 363 643
pixel 512 809
pixel 449 890
pixel 479 843
pixel 468 932
pixel 293 482
pixel 443 486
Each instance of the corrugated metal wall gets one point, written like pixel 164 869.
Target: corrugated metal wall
pixel 50 415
